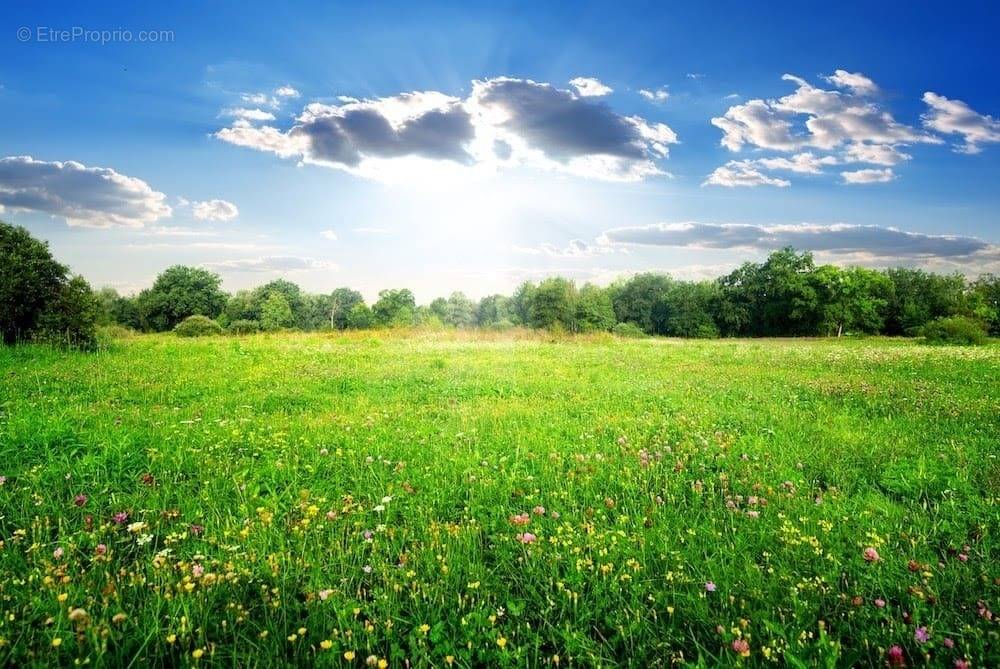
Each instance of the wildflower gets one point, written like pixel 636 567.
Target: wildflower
pixel 539 510
pixel 148 479
pixel 371 661
pixel 742 647
pixel 57 553
pixel 323 594
pixel 949 642
pixel 520 519
pixel 964 557
pixel 119 618
pixel 137 527
pixel 197 570
pixel 870 555
pixel 895 657
pixel 368 534
pixel 196 530
pixel 709 586
pixel 526 538
pixel 3 480
pixel 880 603
pixel 367 569
pixel 962 664
pixel 425 628
pixel 921 635
pixel 326 644
pixel 386 499
pixel 379 508
pixel 197 653
pixel 554 515
pixel 753 514
pixel 502 642
pixel 56 642
pixel 349 655
pixel 80 500
pixel 101 549
pixel 78 615
pixel 120 518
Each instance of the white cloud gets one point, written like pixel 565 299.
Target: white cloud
pixel 839 238
pixel 695 75
pixel 329 234
pixel 869 176
pixel 854 81
pixel 248 114
pixel 96 197
pixel 260 99
pixel 271 264
pixel 589 87
pixel 876 154
pixel 576 248
pixel 737 173
pixel 803 163
pixel 659 95
pixel 954 117
pixel 214 210
pixel 286 92
pixel 503 122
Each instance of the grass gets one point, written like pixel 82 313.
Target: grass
pixel 343 500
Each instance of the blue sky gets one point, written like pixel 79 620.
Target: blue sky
pixel 200 148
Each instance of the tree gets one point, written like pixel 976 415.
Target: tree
pixel 439 308
pixel 685 310
pixel 115 308
pixel 394 308
pixel 293 296
pixel 851 299
pixel 30 279
pixel 520 303
pixel 918 297
pixel 594 311
pixel 634 300
pixel 985 299
pixel 493 310
pixel 177 293
pixel 276 313
pixel 459 311
pixel 360 317
pixel 775 298
pixel 342 301
pixel 243 306
pixel 553 304
pixel 70 318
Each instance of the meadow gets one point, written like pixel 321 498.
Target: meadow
pixel 462 499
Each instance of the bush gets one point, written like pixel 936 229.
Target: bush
pixel 629 330
pixel 197 326
pixel 959 330
pixel 243 326
pixel 70 318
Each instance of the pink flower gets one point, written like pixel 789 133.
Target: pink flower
pixel 120 518
pixel 368 534
pixel 949 642
pixel 323 594
pixel 539 510
pixel 526 538
pixel 80 500
pixel 962 664
pixel 709 586
pixel 870 555
pixel 753 514
pixel 964 557
pixel 896 657
pixel 520 519
pixel 196 530
pixel 921 635
pixel 197 570
pixel 57 553
pixel 742 647
pixel 554 515
pixel 880 603
pixel 101 549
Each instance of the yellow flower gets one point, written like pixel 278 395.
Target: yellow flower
pixel 382 664
pixel 501 642
pixel 425 628
pixel 293 637
pixel 326 644
pixel 349 655
pixel 171 638
pixel 670 610
pixel 56 642
pixel 449 658
pixel 62 597
pixel 197 653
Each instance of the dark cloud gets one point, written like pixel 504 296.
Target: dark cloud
pixel 838 239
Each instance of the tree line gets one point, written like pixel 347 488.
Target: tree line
pixel 786 295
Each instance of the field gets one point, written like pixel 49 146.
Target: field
pixel 465 499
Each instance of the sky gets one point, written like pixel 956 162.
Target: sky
pixel 467 146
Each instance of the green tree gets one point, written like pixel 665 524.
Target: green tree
pixel 918 297
pixel 634 299
pixel 553 303
pixel 985 301
pixel 293 296
pixel 439 308
pixel 30 278
pixel 460 311
pixel 493 310
pixel 520 303
pixel 360 317
pixel 394 308
pixel 774 298
pixel 685 310
pixel 594 311
pixel 70 318
pixel 177 293
pixel 852 299
pixel 276 313
pixel 342 301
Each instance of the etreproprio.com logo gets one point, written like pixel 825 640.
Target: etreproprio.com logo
pixel 52 35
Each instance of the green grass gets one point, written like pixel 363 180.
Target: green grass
pixel 766 467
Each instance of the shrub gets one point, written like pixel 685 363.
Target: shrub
pixel 197 326
pixel 69 319
pixel 243 326
pixel 959 330
pixel 629 330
